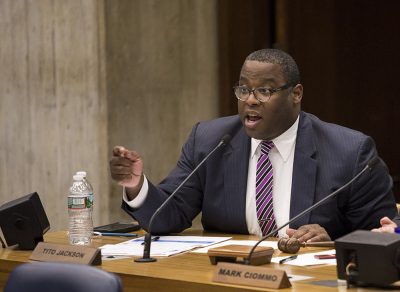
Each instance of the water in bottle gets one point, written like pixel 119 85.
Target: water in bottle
pixel 80 212
pixel 90 188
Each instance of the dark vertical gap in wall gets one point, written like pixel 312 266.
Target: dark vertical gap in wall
pixel 272 24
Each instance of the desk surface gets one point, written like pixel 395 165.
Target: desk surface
pixel 184 272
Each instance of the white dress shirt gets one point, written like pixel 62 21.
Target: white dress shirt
pixel 282 157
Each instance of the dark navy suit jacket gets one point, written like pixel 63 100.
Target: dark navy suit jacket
pixel 326 157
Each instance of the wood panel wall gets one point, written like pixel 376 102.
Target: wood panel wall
pixel 347 52
pixel 243 27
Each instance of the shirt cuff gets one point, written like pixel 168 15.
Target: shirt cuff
pixel 139 200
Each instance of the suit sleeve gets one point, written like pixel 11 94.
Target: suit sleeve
pixel 179 212
pixel 371 196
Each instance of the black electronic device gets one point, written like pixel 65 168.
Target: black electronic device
pixel 23 222
pixel 366 258
pixel 118 227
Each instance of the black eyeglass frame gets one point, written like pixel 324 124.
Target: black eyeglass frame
pixel 257 90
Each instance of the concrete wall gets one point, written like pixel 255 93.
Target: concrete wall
pixel 78 77
pixel 53 110
pixel 161 78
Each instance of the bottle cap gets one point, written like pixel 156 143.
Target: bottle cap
pixel 82 173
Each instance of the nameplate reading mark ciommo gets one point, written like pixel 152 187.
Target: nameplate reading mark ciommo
pixel 50 252
pixel 257 276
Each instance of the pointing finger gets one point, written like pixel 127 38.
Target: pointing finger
pixel 119 151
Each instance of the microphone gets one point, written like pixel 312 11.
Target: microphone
pixel 147 238
pixel 369 165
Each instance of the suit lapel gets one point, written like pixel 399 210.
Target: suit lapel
pixel 235 180
pixel 304 172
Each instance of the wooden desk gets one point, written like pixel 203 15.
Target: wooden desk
pixel 184 272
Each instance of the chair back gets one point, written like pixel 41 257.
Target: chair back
pixel 61 277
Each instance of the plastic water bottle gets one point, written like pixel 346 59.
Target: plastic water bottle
pixel 80 212
pixel 90 188
pixel 84 175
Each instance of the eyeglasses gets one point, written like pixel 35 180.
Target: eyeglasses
pixel 262 94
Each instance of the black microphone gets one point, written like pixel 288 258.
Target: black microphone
pixel 369 165
pixel 147 238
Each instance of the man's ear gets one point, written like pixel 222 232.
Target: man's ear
pixel 297 93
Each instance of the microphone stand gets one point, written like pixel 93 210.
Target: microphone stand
pixel 369 165
pixel 147 238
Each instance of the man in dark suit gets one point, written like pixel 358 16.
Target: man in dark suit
pixel 305 161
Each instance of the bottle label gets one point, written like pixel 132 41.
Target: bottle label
pixel 79 202
pixel 91 198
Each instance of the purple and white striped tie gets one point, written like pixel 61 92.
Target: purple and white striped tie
pixel 264 182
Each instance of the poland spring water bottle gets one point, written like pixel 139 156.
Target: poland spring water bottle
pixel 90 188
pixel 79 212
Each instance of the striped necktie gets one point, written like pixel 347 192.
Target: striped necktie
pixel 264 182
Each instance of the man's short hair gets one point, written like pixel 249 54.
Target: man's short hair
pixel 289 67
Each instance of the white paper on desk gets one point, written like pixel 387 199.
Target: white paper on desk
pixel 273 244
pixel 164 246
pixel 308 259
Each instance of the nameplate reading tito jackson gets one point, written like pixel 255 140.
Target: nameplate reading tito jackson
pixel 50 252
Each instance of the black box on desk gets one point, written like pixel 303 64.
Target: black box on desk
pixel 366 258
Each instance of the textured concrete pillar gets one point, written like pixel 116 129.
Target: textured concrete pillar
pixel 78 77
pixel 161 77
pixel 53 119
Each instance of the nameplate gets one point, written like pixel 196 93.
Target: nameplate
pixel 50 252
pixel 233 253
pixel 257 276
